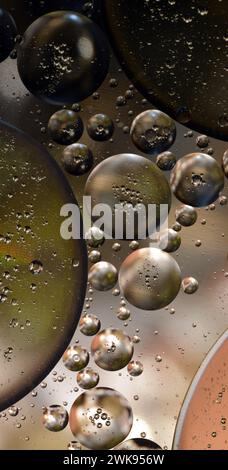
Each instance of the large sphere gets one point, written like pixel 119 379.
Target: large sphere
pixel 101 418
pixel 63 57
pixel 112 349
pixel 8 32
pixel 150 279
pixel 25 12
pixel 175 53
pixel 153 131
pixel 197 179
pixel 129 179
pixel 48 289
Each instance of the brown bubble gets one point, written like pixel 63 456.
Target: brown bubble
pixel 75 358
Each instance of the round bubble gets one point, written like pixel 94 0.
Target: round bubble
pixel 65 127
pixel 77 159
pixel 94 256
pixel 138 444
pixel 89 325
pixel 87 378
pixel 169 240
pixel 63 57
pixel 131 182
pixel 150 279
pixel 186 216
pixel 100 127
pixel 135 368
pixel 101 418
pixel 39 261
pixel 75 358
pixel 166 161
pixel 153 131
pixel 8 32
pixel 123 313
pixel 112 349
pixel 55 418
pixel 197 179
pixel 103 276
pixel 190 285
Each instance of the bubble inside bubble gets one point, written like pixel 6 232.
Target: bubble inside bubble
pixel 87 423
pixel 150 279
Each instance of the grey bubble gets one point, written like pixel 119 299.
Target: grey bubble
pixel 153 132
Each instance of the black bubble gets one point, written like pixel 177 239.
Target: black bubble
pixel 25 12
pixel 8 32
pixel 175 52
pixel 100 127
pixel 77 159
pixel 63 57
pixel 65 127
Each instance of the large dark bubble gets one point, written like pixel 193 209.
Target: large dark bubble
pixel 8 32
pixel 175 52
pixel 42 288
pixel 25 12
pixel 63 57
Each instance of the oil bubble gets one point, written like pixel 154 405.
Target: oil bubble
pixel 87 424
pixel 169 240
pixel 197 180
pixel 100 127
pixel 112 349
pixel 166 161
pixel 55 418
pixel 103 276
pixel 63 57
pixel 135 368
pixel 153 132
pixel 75 358
pixel 77 159
pixel 150 279
pixel 129 182
pixel 65 127
pixel 87 378
pixel 186 216
pixel 190 285
pixel 89 325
